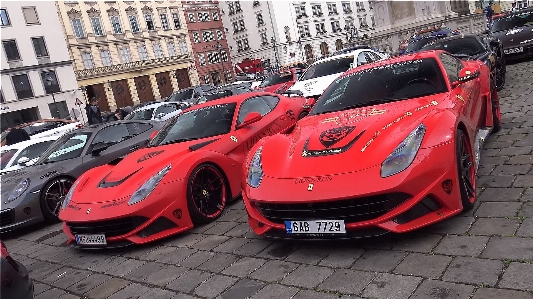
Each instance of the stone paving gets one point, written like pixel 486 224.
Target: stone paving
pixel 482 254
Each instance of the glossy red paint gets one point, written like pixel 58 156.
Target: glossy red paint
pixel 291 75
pixel 292 175
pixel 169 198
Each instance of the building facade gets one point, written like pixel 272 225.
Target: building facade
pixel 127 52
pixel 285 32
pixel 208 39
pixel 37 75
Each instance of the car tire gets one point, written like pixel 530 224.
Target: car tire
pixel 500 74
pixel 52 196
pixel 466 170
pixel 496 112
pixel 207 193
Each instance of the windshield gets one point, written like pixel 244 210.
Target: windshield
pixel 143 114
pixel 182 96
pixel 470 46
pixel 386 83
pixel 5 157
pixel 69 146
pixel 513 21
pixel 165 109
pixel 327 68
pixel 276 79
pixel 197 124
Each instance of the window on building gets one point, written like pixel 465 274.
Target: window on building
pixel 149 22
pixel 2 99
pixel 346 8
pixel 105 55
pixel 216 15
pixel 207 79
pixel 231 8
pixel 11 49
pixel 39 46
pixel 77 27
pixel 87 59
pixel 229 76
pixel 125 55
pixel 239 46
pixel 134 23
pixel 183 47
pixel 235 26
pixel 360 6
pixel 97 26
pixel 22 86
pixel 238 7
pixel 335 26
pixel 373 21
pixel 242 26
pixel 224 55
pixel 220 34
pixel 143 52
pixel 213 57
pixel 317 10
pixel 259 18
pixel 264 38
pixel 164 21
pixel 201 59
pixel 245 44
pixel 196 37
pixel 50 82
pixel 303 30
pixel 115 23
pixel 191 16
pixel 4 17
pixel 300 12
pixel 172 49
pixel 30 15
pixel 176 20
pixel 256 3
pixel 320 28
pixel 158 51
pixel 332 9
pixel 203 16
pixel 207 36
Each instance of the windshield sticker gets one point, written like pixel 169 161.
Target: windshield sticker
pixel 316 153
pixel 354 116
pixel 113 204
pixel 148 156
pixel 319 179
pixel 386 66
pixel 48 174
pixel 332 136
pixel 408 113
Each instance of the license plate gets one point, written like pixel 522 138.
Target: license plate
pixel 514 50
pixel 315 227
pixel 91 239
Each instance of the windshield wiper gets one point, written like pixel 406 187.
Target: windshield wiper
pixel 177 141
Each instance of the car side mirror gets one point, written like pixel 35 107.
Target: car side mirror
pixel 465 75
pixel 152 136
pixel 494 42
pixel 98 148
pixel 251 118
pixel 309 103
pixel 23 161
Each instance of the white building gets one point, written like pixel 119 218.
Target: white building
pixel 301 30
pixel 36 66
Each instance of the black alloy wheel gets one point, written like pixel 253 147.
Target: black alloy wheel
pixel 207 193
pixel 52 197
pixel 466 170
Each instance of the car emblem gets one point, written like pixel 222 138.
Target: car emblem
pixel 88 210
pixel 233 138
pixel 204 192
pixel 310 187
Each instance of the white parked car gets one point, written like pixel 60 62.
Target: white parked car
pixel 25 153
pixel 161 111
pixel 319 75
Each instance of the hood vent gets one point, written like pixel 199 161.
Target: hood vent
pixel 104 184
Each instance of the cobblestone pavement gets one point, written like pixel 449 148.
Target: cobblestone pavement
pixel 483 254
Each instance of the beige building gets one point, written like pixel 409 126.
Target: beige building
pixel 127 52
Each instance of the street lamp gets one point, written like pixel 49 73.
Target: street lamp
pixel 219 48
pixel 49 81
pixel 273 41
pixel 351 32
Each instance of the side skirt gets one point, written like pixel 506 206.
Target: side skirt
pixel 481 137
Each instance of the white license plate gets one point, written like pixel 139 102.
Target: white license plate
pixel 315 227
pixel 91 239
pixel 514 50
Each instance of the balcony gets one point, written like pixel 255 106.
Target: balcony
pixel 301 16
pixel 333 13
pixel 347 11
pixel 318 14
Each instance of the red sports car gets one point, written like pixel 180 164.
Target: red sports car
pixel 183 178
pixel 280 82
pixel 389 147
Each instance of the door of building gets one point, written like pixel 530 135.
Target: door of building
pixel 122 94
pixel 144 89
pixel 98 91
pixel 164 84
pixel 182 75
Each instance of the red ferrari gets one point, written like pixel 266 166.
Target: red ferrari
pixel 183 178
pixel 389 147
pixel 280 82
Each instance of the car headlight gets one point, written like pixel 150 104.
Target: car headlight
pixel 19 190
pixel 255 171
pixel 404 154
pixel 148 186
pixel 68 197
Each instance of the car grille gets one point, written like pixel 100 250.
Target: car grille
pixel 110 228
pixel 349 210
pixel 7 217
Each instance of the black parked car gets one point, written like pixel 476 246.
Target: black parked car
pixel 515 30
pixel 226 91
pixel 190 96
pixel 474 47
pixel 16 283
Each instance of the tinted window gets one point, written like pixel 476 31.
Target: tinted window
pixel 68 146
pixel 111 135
pixel 375 56
pixel 165 109
pixel 34 151
pixel 468 46
pixel 328 67
pixel 381 84
pixel 362 59
pixel 419 44
pixel 142 114
pixel 181 96
pixel 276 79
pixel 513 21
pixel 5 157
pixel 255 104
pixel 196 124
pixel 452 66
pixel 271 101
pixel 138 128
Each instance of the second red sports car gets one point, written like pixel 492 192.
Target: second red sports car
pixel 389 147
pixel 185 176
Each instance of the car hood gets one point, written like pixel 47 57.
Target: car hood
pixel 343 142
pixel 516 37
pixel 316 86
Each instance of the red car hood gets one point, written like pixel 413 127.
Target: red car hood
pixel 346 141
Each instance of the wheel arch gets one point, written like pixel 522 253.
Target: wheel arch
pixel 61 176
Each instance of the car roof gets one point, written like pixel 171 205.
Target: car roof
pixel 343 55
pixel 26 143
pixel 239 98
pixel 150 106
pixel 453 37
pixel 97 127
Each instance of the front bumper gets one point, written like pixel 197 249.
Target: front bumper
pixel 406 201
pixel 26 212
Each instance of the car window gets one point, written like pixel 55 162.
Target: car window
pixel 271 101
pixel 362 59
pixel 276 79
pixel 5 157
pixel 69 146
pixel 181 96
pixel 255 104
pixel 35 150
pixel 467 46
pixel 166 109
pixel 137 128
pixel 141 114
pixel 375 57
pixel 452 66
pixel 111 135
pixel 328 67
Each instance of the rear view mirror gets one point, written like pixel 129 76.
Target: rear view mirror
pixel 465 75
pixel 23 161
pixel 98 148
